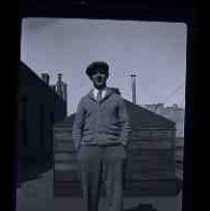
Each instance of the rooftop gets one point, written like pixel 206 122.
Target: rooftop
pixel 138 117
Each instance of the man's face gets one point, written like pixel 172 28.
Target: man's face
pixel 99 78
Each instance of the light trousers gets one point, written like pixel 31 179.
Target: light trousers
pixel 102 164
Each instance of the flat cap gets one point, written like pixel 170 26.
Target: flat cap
pixel 97 65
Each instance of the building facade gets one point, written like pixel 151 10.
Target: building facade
pixel 39 108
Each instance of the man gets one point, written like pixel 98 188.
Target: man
pixel 100 134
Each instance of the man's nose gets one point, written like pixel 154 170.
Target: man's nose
pixel 98 74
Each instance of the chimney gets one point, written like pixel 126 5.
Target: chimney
pixel 59 84
pixel 46 78
pixel 59 77
pixel 61 87
pixel 65 91
pixel 133 84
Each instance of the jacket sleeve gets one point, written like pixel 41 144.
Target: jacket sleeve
pixel 77 130
pixel 124 123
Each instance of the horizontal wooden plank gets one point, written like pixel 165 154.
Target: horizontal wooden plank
pixel 150 145
pixel 151 167
pixel 150 137
pixel 152 170
pixel 148 158
pixel 72 174
pixel 66 189
pixel 64 150
pixel 141 188
pixel 135 129
pixel 65 156
pixel 66 176
pixel 63 135
pixel 133 144
pixel 149 162
pixel 155 155
pixel 148 176
pixel 157 173
pixel 151 151
pixel 68 161
pixel 60 129
pixel 65 167
pixel 152 128
pixel 63 142
pixel 149 184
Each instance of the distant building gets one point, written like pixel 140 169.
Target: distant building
pixel 174 113
pixel 40 107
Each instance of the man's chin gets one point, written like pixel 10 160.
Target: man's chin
pixel 99 85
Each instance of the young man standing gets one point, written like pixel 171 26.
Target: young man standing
pixel 100 134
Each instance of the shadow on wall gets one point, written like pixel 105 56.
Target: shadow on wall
pixel 142 207
pixel 33 171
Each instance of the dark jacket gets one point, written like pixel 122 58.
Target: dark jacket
pixel 104 123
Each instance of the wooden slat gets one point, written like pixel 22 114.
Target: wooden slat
pixel 60 147
pixel 152 187
pixel 63 142
pixel 67 189
pixel 65 167
pixel 64 150
pixel 62 135
pixel 151 145
pixel 65 156
pixel 67 175
pixel 149 176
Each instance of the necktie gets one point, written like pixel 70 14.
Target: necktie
pixel 99 96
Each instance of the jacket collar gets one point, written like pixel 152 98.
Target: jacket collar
pixel 108 93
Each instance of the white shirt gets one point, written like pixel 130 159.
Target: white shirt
pixel 95 93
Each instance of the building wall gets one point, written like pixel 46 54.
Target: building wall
pixel 40 108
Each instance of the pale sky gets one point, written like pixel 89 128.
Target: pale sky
pixel 155 51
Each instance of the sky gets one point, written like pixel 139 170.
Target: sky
pixel 154 51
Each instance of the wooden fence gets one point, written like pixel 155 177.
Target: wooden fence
pixel 150 166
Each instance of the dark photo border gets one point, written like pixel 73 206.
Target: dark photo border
pixel 150 10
